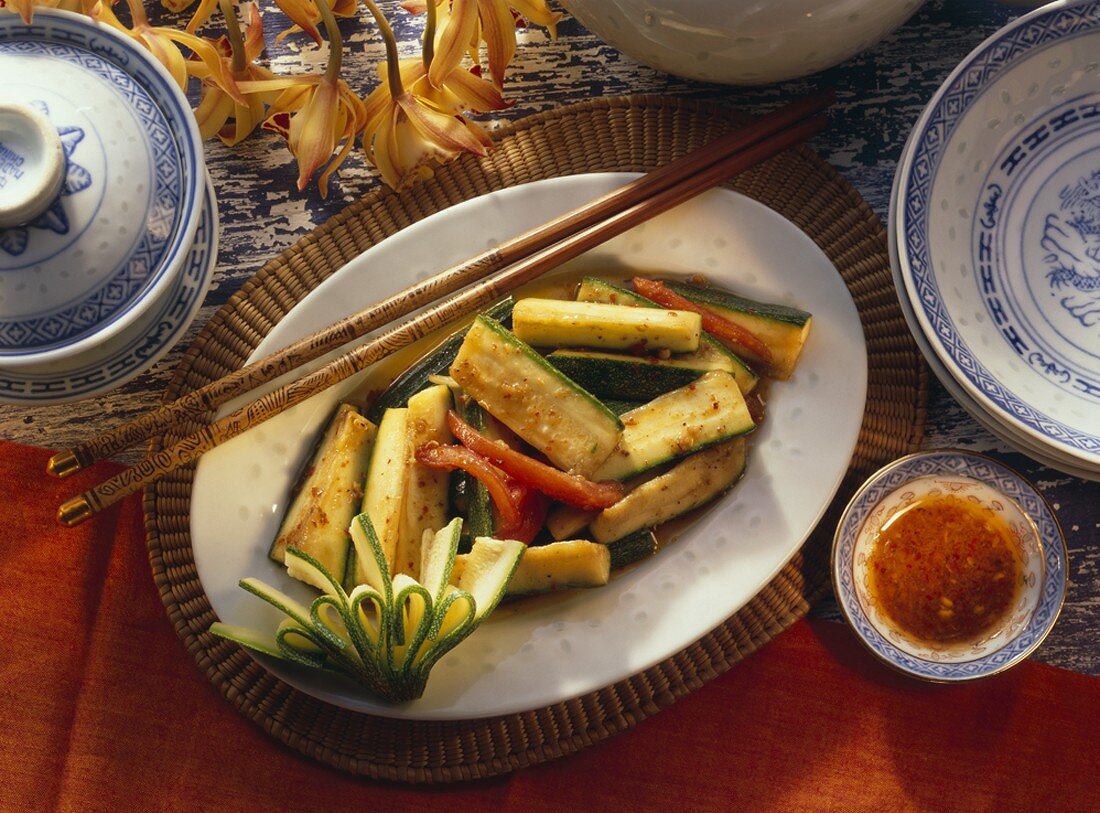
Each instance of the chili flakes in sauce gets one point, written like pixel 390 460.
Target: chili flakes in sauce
pixel 945 570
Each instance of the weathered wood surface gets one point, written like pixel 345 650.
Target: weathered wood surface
pixel 881 93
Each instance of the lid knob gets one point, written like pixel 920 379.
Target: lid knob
pixel 32 164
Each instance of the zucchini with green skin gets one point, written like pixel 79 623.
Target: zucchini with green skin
pixel 562 323
pixel 426 489
pixel 556 566
pixel 633 548
pixel 527 394
pixel 707 411
pixel 318 517
pixel 434 362
pixel 620 408
pixel 479 506
pixel 783 329
pixel 689 484
pixel 387 484
pixel 634 378
pixel 711 355
pixel 387 633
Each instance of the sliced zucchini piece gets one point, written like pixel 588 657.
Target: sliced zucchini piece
pixel 487 570
pixel 632 378
pixel 687 485
pixel 528 395
pixel 557 566
pixel 781 328
pixel 563 323
pixel 678 423
pixel 435 361
pixel 479 506
pixel 711 355
pixel 426 489
pixel 632 548
pixel 318 517
pixel 567 521
pixel 387 483
pixel 620 408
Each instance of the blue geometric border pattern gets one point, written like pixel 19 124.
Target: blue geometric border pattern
pixel 160 115
pixel 997 476
pixel 166 327
pixel 952 103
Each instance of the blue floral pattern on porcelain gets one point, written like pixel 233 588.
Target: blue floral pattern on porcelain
pixel 1071 238
pixel 999 220
pixel 77 179
pixel 125 356
pixel 120 232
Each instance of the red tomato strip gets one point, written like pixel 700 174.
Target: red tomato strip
pixel 532 513
pixel 568 488
pixel 714 324
pixel 435 456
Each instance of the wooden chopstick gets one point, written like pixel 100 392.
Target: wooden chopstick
pixel 82 507
pixel 198 404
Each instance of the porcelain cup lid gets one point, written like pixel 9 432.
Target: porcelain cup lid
pixel 101 184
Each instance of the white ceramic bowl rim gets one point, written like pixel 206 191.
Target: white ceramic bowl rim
pixel 916 173
pixel 1014 486
pixel 155 79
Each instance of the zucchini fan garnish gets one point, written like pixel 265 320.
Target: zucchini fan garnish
pixel 387 633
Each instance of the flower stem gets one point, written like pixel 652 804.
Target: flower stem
pixel 335 41
pixel 393 62
pixel 429 34
pixel 236 39
pixel 137 14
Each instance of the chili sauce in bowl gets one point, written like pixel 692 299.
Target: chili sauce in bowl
pixel 945 569
pixel 949 565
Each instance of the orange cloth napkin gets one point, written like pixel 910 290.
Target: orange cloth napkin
pixel 103 709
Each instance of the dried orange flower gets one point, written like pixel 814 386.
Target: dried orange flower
pixel 413 124
pixel 316 119
pixel 467 23
pixel 162 41
pixel 25 8
pixel 242 91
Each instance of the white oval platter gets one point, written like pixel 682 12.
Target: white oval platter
pixel 537 653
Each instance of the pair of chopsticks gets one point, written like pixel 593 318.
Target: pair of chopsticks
pixel 495 272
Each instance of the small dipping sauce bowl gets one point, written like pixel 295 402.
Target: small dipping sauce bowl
pixel 990 488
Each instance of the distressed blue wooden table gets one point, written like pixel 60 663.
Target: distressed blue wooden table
pixel 881 93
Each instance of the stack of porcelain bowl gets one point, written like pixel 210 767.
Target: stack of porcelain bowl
pixel 108 226
pixel 995 235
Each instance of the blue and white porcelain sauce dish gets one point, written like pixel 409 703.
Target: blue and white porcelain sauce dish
pixel 102 185
pixel 949 566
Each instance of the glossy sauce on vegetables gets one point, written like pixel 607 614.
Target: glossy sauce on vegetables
pixel 945 570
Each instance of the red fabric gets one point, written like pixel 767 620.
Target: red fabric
pixel 103 709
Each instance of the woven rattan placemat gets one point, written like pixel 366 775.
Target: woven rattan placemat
pixel 635 133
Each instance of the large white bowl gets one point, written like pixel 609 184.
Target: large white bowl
pixel 740 43
pixel 998 228
pixel 536 653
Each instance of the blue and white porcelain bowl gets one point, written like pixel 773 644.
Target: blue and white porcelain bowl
pixel 997 221
pixel 1005 492
pixel 109 364
pixel 80 264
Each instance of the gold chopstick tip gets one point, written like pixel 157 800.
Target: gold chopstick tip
pixel 63 464
pixel 73 512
